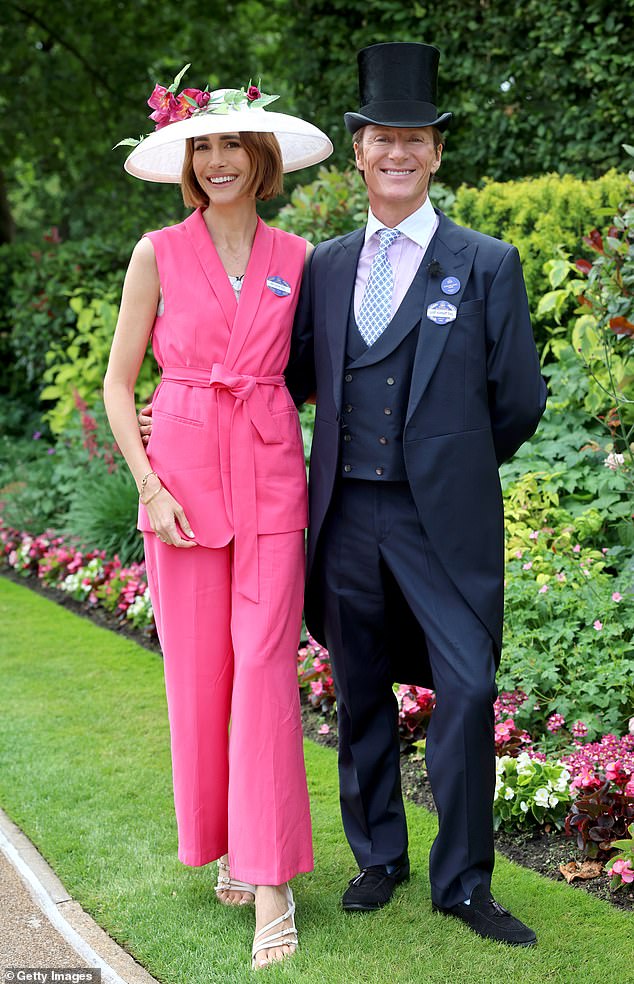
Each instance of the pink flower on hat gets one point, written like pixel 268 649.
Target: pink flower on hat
pixel 200 98
pixel 253 93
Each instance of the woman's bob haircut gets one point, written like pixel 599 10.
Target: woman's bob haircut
pixel 263 150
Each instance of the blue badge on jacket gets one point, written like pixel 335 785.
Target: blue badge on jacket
pixel 450 285
pixel 441 312
pixel 279 286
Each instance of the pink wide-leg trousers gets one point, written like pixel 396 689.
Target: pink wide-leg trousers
pixel 233 704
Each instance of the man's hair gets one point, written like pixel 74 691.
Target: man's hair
pixel 263 150
pixel 437 136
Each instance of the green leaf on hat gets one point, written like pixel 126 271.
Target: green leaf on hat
pixel 263 101
pixel 175 84
pixel 128 142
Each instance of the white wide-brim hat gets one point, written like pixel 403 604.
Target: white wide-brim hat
pixel 160 156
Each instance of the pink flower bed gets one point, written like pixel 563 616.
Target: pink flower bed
pixel 89 577
pixel 85 575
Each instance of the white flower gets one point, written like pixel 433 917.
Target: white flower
pixel 541 796
pixel 524 806
pixel 525 764
pixel 552 800
pixel 509 793
pixel 613 461
pixel 70 582
pixel 561 786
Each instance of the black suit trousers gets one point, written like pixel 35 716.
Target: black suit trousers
pixel 373 549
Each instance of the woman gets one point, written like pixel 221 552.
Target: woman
pixel 222 487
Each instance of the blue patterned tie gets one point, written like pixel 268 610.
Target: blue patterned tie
pixel 376 304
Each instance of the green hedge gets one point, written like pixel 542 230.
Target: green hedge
pixel 540 216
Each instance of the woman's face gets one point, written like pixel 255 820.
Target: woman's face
pixel 222 167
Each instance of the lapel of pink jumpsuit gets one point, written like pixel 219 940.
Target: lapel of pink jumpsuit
pixel 241 405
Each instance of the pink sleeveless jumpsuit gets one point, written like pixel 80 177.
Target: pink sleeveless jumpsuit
pixel 226 442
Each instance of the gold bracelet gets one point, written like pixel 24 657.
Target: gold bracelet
pixel 144 502
pixel 144 481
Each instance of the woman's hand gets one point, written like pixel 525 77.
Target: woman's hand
pixel 144 418
pixel 167 518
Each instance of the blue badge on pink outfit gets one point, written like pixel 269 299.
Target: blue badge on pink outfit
pixel 442 312
pixel 450 285
pixel 279 286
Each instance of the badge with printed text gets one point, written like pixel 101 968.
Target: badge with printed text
pixel 442 312
pixel 279 286
pixel 450 285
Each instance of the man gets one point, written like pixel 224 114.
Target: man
pixel 415 335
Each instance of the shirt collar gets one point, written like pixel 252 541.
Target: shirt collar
pixel 416 226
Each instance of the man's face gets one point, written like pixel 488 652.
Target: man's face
pixel 397 163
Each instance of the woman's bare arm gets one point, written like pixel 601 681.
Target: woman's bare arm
pixel 136 318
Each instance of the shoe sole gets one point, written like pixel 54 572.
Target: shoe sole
pixel 364 908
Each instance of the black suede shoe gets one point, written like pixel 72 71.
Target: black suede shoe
pixel 489 919
pixel 373 888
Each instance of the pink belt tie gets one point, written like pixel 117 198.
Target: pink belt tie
pixel 249 411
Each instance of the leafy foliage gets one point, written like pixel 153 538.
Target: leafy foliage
pixel 76 368
pixel 102 515
pixel 87 69
pixel 36 282
pixel 528 791
pixel 336 202
pixel 540 216
pixel 534 87
pixel 569 633
pixel 599 818
pixel 563 467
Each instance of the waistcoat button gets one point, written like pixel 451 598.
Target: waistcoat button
pixel 379 470
pixel 348 408
pixel 347 437
pixel 383 440
pixel 390 380
pixel 347 468
pixel 348 377
pixel 387 411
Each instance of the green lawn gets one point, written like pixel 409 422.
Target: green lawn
pixel 84 771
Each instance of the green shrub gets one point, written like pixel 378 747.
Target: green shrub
pixel 37 280
pixel 569 632
pixel 336 202
pixel 564 465
pixel 77 366
pixel 540 215
pixel 102 513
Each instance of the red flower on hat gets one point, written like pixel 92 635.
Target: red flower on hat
pixel 253 93
pixel 200 98
pixel 164 105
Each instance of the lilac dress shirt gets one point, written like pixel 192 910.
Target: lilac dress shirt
pixel 405 254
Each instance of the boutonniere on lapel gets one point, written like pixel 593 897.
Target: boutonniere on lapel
pixel 434 269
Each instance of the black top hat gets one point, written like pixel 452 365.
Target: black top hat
pixel 397 86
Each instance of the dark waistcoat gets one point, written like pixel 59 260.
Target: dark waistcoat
pixel 376 384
